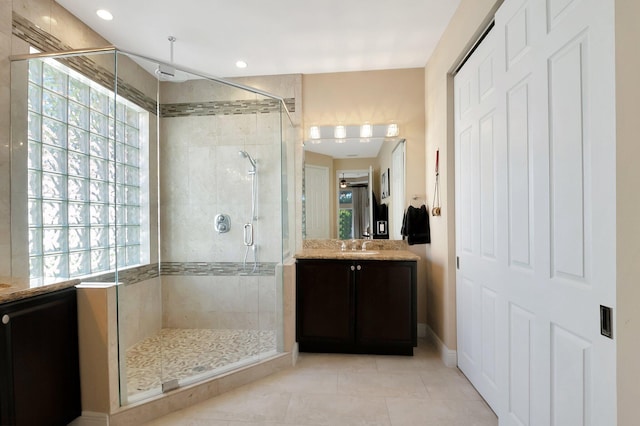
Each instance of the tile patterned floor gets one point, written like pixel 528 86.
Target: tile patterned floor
pixel 175 353
pixel 334 389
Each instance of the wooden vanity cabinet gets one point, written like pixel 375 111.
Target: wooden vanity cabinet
pixel 39 367
pixel 356 306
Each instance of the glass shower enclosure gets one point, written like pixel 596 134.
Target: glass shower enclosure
pixel 175 186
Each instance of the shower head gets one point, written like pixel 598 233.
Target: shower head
pixel 166 72
pixel 245 154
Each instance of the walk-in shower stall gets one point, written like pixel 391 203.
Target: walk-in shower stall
pixel 171 183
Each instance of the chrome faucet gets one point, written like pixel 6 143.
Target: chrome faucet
pixel 364 245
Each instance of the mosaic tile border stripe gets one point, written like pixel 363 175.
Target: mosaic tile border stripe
pixel 262 106
pixel 45 42
pixel 130 276
pixel 264 269
pixel 138 274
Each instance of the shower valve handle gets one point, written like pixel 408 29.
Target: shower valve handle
pixel 248 234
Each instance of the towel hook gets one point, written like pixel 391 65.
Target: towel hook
pixel 436 210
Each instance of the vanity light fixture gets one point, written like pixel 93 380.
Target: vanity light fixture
pixel 366 130
pixel 314 132
pixel 104 14
pixel 349 134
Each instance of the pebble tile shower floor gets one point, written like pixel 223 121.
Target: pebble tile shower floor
pixel 175 353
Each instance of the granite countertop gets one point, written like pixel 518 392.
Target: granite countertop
pixel 17 291
pixel 376 250
pixel 356 254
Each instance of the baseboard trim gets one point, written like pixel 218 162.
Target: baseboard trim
pixel 89 418
pixel 422 330
pixel 449 357
pixel 294 353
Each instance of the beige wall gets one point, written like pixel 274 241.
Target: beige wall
pixel 376 97
pixel 627 320
pixel 468 22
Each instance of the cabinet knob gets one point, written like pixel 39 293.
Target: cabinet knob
pixel 359 267
pixel 6 319
pixel 353 268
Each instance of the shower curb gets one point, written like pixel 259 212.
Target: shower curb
pixel 187 396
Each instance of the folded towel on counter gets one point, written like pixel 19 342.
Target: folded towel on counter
pixel 415 225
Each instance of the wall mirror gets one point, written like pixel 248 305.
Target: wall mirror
pixel 354 209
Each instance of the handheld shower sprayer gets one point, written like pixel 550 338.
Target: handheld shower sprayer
pixel 245 154
pixel 249 227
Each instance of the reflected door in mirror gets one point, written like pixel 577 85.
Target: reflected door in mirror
pixel 317 202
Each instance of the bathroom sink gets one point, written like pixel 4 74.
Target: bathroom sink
pixel 358 253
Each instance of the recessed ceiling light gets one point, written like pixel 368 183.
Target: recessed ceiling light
pixel 104 14
pixel 241 64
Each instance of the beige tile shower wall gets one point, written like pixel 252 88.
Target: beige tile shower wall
pixel 288 86
pixel 219 302
pixel 203 175
pixel 139 310
pixel 57 21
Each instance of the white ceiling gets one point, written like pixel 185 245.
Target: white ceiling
pixel 274 36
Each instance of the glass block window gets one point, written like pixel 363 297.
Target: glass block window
pixel 84 168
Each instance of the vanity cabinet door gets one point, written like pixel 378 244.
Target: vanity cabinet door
pixel 386 304
pixel 324 308
pixel 39 368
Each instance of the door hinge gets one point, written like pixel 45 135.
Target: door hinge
pixel 606 322
pixel 457 262
pixel 170 385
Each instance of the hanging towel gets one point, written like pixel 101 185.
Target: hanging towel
pixel 415 225
pixel 380 211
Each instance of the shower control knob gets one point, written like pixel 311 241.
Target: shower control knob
pixel 5 319
pixel 222 223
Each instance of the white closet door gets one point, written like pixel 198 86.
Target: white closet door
pixel 476 226
pixel 316 181
pixel 539 288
